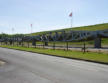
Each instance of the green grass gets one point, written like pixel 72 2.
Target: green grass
pixel 92 56
pixel 87 28
pixel 92 27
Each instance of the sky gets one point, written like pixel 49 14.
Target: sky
pixel 16 16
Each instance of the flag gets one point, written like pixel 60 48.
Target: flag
pixel 31 25
pixel 70 15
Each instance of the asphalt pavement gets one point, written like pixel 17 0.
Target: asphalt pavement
pixel 26 67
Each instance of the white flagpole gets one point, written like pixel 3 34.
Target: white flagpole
pixel 70 15
pixel 71 21
pixel 31 28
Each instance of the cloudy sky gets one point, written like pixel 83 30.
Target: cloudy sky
pixel 50 14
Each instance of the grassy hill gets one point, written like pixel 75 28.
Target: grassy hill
pixel 87 28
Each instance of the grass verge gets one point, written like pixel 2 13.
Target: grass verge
pixel 88 56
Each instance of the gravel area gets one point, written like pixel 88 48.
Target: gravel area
pixel 2 62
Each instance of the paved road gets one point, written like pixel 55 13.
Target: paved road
pixel 26 67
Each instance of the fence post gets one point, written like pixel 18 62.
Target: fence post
pixel 43 44
pixel 35 44
pixel 17 42
pixel 84 48
pixel 28 44
pixel 67 45
pixel 97 42
pixel 22 43
pixel 53 45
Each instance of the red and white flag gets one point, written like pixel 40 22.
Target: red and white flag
pixel 70 15
pixel 31 25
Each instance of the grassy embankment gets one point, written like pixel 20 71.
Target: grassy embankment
pixel 87 28
pixel 91 56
